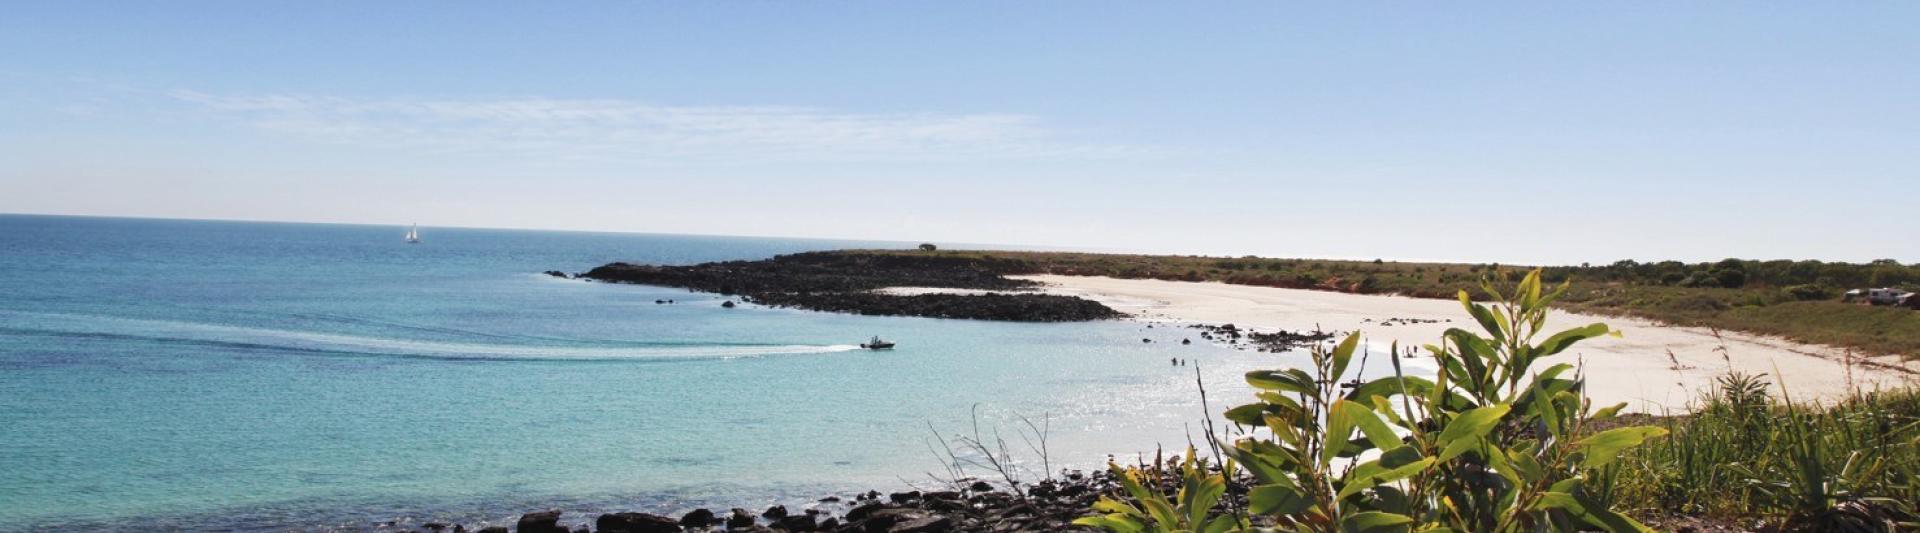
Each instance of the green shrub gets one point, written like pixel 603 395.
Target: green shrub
pixel 1731 279
pixel 1699 278
pixel 1808 292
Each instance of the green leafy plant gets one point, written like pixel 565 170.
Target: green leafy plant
pixel 1190 510
pixel 1489 444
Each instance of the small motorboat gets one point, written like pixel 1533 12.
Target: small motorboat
pixel 877 344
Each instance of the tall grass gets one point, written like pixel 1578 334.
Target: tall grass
pixel 1746 452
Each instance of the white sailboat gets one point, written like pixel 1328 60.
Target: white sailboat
pixel 413 234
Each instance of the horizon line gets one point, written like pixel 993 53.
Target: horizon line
pixel 966 246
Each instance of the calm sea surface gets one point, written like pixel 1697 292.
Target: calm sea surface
pixel 254 376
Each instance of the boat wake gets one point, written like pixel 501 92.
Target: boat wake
pixel 96 327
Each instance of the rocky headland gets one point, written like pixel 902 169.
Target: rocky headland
pixel 850 282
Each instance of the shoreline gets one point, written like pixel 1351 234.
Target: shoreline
pixel 1654 368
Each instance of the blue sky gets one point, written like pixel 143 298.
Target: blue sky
pixel 1514 132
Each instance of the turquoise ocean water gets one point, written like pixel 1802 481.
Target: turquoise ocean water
pixel 196 375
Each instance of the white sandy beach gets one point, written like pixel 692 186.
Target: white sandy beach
pixel 1634 368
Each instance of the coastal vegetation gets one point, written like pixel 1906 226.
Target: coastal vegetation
pixel 1798 300
pixel 1489 445
pixel 1747 454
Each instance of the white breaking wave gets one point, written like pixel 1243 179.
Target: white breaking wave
pixel 178 332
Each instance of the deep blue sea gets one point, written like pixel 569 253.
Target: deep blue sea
pixel 198 375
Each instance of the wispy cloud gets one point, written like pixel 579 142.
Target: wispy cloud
pixel 604 128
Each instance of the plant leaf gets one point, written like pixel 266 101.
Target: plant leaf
pixel 1466 429
pixel 1379 472
pixel 1370 425
pixel 1484 316
pixel 1288 380
pixel 1277 500
pixel 1252 414
pixel 1343 354
pixel 1561 341
pixel 1603 447
pixel 1376 522
pixel 1339 429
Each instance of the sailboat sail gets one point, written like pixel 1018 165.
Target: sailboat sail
pixel 413 234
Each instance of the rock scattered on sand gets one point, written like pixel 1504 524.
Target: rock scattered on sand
pixel 1247 339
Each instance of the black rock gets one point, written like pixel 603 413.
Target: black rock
pixel 885 519
pixel 945 506
pixel 739 519
pixel 931 524
pixel 636 523
pixel 775 513
pixel 799 522
pixel 981 486
pixel 540 522
pixel 698 518
pixel 941 495
pixel 727 304
pixel 494 529
pixel 557 274
pixel 862 512
pixel 904 497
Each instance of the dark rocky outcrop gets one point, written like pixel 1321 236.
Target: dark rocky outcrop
pixel 540 522
pixel 846 281
pixel 775 513
pixel 739 518
pixel 699 518
pixel 638 523
pixel 799 522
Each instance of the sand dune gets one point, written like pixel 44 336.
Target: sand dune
pixel 1634 368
